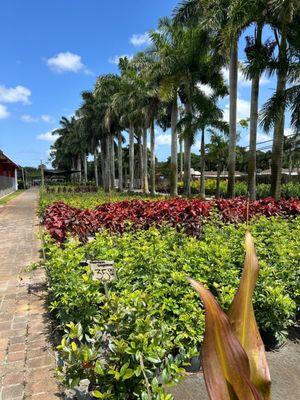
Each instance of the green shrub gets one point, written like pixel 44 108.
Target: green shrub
pixel 151 323
pixel 85 200
pixel 211 186
pixel 263 190
pixel 291 190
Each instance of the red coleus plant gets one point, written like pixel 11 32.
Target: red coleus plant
pixel 185 214
pixel 235 210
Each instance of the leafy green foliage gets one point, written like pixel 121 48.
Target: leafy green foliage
pixel 85 200
pixel 150 325
pixel 289 190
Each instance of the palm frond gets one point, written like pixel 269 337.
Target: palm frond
pixel 271 110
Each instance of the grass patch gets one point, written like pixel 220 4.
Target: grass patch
pixel 8 198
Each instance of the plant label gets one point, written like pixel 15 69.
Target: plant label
pixel 103 271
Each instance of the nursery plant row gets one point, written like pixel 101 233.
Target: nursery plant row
pixel 138 337
pixel 61 219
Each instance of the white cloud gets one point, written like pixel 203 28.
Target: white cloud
pixel 196 146
pixel 116 59
pixel 66 62
pixel 88 72
pixel 140 39
pixel 288 132
pixel 3 112
pixel 242 80
pixel 243 110
pixel 30 118
pixel 262 137
pixel 46 118
pixel 205 88
pixel 163 139
pixel 264 80
pixel 48 137
pixel 19 94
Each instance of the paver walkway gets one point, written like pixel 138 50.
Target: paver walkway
pixel 26 359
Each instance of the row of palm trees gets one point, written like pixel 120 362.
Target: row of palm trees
pixel 166 85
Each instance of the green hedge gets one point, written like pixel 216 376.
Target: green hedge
pixel 263 189
pixel 152 322
pixel 87 200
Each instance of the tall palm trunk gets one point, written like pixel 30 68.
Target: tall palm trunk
pixel 253 126
pixel 105 153
pixel 187 165
pixel 102 151
pixel 152 160
pixel 112 161
pixel 290 164
pixel 253 138
pixel 140 162
pixel 96 166
pixel 120 161
pixel 181 161
pixel 233 78
pixel 173 167
pixel 73 168
pixel 131 157
pixel 278 137
pixel 202 166
pixel 145 162
pixel 218 182
pixel 187 154
pixel 79 169
pixel 84 156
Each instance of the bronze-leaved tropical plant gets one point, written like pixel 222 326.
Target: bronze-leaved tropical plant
pixel 233 355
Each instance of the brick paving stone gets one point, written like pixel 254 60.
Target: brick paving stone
pixel 13 392
pixel 27 361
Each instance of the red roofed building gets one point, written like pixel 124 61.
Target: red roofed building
pixel 8 175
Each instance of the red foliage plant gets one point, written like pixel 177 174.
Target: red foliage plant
pixel 182 214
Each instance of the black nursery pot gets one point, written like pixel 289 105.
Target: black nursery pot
pixel 269 340
pixel 195 364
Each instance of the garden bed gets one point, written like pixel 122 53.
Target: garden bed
pixel 145 332
pixel 187 215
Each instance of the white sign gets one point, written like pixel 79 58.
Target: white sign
pixel 103 271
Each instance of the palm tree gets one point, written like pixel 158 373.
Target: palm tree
pixel 207 114
pixel 185 62
pixel 284 18
pixel 88 119
pixel 165 46
pixel 217 152
pixel 149 74
pixel 126 103
pixel 214 15
pixel 63 155
pixel 106 87
pixel 258 56
pixel 144 74
pixel 71 142
pixel 242 15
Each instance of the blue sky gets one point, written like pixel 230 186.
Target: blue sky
pixel 53 50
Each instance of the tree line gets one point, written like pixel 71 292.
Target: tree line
pixel 166 85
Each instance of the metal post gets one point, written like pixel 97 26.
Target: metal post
pixel 42 174
pixel 105 289
pixel 23 178
pixel 16 179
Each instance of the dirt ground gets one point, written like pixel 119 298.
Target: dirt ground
pixel 285 374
